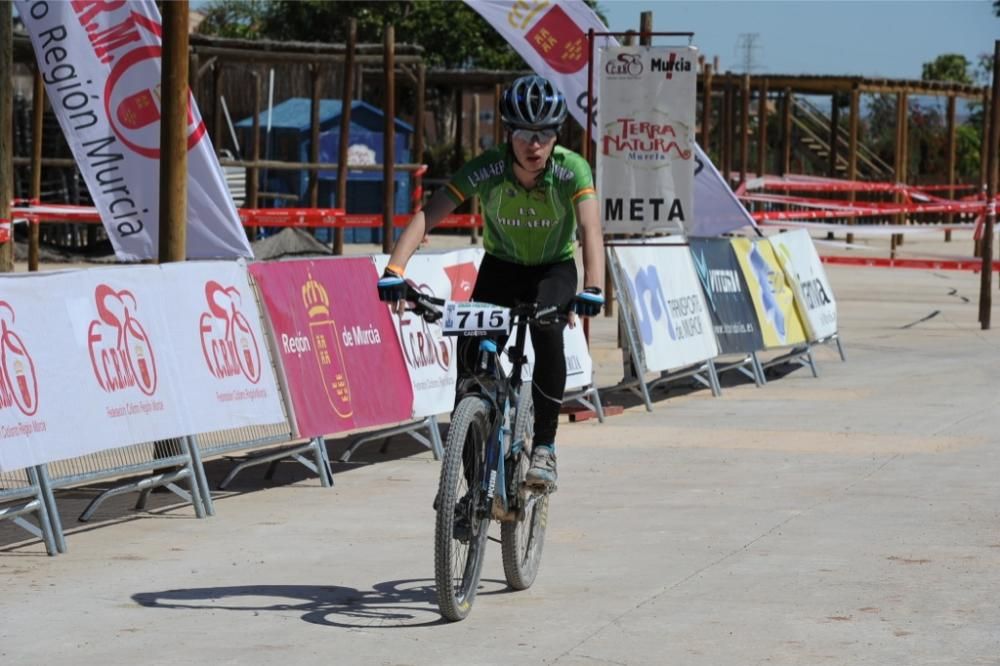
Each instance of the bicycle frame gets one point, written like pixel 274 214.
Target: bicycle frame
pixel 498 392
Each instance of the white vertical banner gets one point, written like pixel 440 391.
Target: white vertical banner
pixel 668 305
pixel 226 374
pixel 645 153
pixel 804 270
pixel 101 62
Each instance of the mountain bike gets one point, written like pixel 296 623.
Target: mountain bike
pixel 487 455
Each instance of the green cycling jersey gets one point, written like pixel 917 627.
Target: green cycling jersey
pixel 526 226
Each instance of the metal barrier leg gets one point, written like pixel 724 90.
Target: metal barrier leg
pixel 44 523
pixel 713 378
pixel 50 502
pixel 840 348
pixel 322 463
pixel 811 362
pixel 165 479
pixel 200 477
pixel 758 369
pixel 194 480
pixel 596 400
pixel 272 457
pixel 435 432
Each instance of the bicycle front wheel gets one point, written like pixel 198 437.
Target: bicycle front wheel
pixel 521 540
pixel 462 518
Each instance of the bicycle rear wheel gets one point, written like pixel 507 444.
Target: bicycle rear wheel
pixel 521 541
pixel 461 524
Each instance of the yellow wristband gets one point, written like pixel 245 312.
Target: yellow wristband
pixel 395 269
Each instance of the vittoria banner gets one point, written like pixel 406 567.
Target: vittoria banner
pixel 430 355
pixel 215 332
pixel 337 344
pixel 772 295
pixel 813 294
pixel 667 306
pixel 729 301
pixel 645 149
pixel 100 62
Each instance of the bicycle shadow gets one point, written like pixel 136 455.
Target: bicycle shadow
pixel 392 604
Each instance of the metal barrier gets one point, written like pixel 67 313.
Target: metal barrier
pixel 432 441
pixel 222 442
pixel 24 484
pixel 171 461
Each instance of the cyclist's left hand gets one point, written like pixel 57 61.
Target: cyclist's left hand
pixel 589 302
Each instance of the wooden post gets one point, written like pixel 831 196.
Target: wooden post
pixel 315 70
pixel 852 146
pixel 418 116
pixel 762 129
pixel 389 140
pixel 6 133
pixel 986 275
pixel 727 131
pixel 950 155
pixel 219 129
pixel 474 128
pixel 786 132
pixel 902 156
pixel 497 122
pixel 253 185
pixel 744 128
pixel 645 27
pixel 346 102
pixel 706 108
pixel 37 125
pixel 173 133
pixel 834 134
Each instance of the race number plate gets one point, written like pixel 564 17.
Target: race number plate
pixel 471 318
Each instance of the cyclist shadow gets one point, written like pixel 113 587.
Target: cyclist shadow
pixel 388 605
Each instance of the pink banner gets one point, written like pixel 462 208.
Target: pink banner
pixel 337 344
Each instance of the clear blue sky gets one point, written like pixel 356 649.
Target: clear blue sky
pixel 878 39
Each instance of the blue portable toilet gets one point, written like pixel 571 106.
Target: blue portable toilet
pixel 290 140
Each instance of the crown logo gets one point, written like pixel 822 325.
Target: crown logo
pixel 315 298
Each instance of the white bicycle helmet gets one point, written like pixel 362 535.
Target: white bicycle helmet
pixel 532 102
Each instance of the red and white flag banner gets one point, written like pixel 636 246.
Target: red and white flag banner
pixel 100 62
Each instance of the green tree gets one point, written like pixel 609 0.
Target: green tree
pixel 948 67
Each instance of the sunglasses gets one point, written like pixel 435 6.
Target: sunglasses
pixel 534 136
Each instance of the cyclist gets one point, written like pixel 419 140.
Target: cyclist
pixel 534 195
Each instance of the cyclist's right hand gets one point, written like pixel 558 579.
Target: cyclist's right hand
pixel 391 287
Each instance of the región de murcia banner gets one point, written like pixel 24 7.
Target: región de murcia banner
pixel 100 62
pixel 646 144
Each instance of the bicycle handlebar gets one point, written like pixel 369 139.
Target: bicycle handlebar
pixel 429 308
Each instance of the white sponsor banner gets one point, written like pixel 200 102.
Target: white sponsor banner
pixel 87 365
pixel 579 365
pixel 813 294
pixel 215 333
pixel 552 39
pixel 645 153
pixel 101 65
pixel 667 305
pixel 431 356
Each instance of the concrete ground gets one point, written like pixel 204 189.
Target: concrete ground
pixel 849 519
